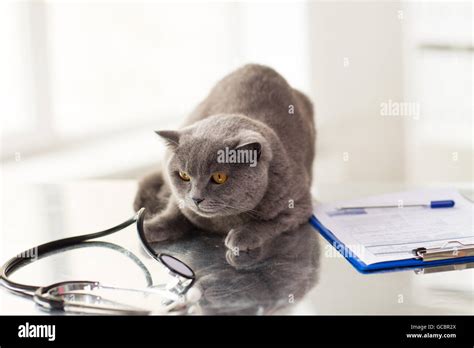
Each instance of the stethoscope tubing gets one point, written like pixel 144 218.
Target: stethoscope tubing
pixel 40 293
pixel 16 262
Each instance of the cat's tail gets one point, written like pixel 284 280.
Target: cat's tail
pixel 153 194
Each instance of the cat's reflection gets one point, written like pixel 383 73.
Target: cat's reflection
pixel 264 281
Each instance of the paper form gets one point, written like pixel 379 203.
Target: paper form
pixel 387 234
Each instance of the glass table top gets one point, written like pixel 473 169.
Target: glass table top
pixel 297 273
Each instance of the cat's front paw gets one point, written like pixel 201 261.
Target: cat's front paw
pixel 247 261
pixel 242 240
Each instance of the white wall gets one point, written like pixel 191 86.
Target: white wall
pixel 87 82
pixel 110 72
pixel 356 65
pixel 438 56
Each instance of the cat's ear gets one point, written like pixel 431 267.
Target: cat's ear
pixel 171 137
pixel 251 146
pixel 250 140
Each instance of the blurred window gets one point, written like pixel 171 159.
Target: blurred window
pixel 79 70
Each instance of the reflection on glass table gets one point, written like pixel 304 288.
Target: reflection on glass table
pixel 268 280
pixel 300 273
pixel 74 278
pixel 81 289
pixel 259 282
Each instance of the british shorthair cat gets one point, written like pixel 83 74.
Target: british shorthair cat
pixel 241 165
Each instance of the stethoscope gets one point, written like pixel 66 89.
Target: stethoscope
pixel 82 296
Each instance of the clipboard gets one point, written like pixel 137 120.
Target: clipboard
pixel 422 257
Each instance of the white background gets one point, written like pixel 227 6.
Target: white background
pixel 84 84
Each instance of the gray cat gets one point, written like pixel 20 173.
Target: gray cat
pixel 240 166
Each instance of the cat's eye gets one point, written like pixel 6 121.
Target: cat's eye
pixel 219 177
pixel 184 176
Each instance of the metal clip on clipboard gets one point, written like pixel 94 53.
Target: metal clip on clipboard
pixel 449 250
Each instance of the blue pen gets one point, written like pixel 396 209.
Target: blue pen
pixel 432 205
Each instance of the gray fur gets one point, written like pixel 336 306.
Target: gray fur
pixel 252 107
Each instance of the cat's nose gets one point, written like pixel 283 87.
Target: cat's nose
pixel 197 200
